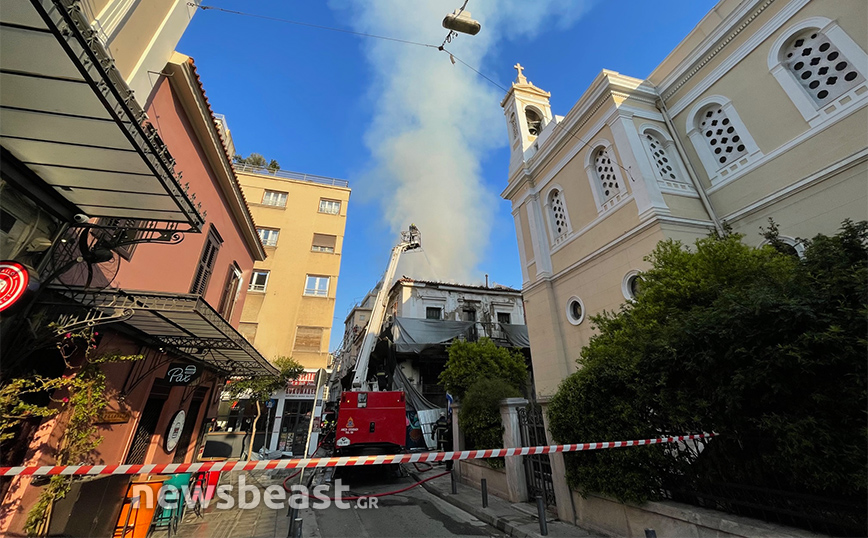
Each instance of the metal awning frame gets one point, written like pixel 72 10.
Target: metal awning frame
pixel 82 44
pixel 160 319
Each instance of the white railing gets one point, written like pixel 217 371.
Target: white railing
pixel 262 170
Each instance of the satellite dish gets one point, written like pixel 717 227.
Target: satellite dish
pixel 460 21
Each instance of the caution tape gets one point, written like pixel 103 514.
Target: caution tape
pixel 345 461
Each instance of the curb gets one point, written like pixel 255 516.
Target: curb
pixel 500 523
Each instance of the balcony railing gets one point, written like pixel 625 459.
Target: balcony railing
pixel 285 174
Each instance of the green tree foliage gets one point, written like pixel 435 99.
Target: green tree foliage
pixel 257 160
pixel 756 344
pixel 479 416
pixel 471 361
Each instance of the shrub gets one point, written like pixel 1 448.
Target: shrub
pixel 471 361
pixel 760 346
pixel 479 416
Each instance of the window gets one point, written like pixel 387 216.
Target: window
pixel 575 310
pixel 609 182
pixel 324 243
pixel 720 135
pixel 721 139
pixel 631 286
pixel 503 317
pixel 274 198
pixel 231 289
pixel 664 160
pixel 330 207
pixel 469 314
pixel 433 312
pixel 557 215
pixel 206 262
pixel 820 68
pixel 818 65
pixel 268 236
pixel 607 186
pixel 258 281
pixel 317 286
pixel 308 339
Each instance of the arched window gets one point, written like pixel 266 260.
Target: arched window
pixel 557 215
pixel 608 178
pixel 721 139
pixel 821 69
pixel 720 135
pixel 534 121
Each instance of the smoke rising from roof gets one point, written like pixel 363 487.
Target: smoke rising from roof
pixel 434 121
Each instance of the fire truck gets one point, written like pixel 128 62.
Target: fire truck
pixel 370 421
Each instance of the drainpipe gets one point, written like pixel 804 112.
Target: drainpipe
pixel 706 203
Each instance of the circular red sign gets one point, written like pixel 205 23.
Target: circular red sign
pixel 14 279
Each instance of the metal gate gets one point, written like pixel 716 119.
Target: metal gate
pixel 537 467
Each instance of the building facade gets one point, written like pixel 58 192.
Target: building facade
pixel 95 212
pixel 759 112
pixel 290 304
pixel 301 220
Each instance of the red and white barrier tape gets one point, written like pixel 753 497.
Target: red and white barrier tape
pixel 172 468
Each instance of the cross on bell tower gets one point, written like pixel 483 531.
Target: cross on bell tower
pixel 521 79
pixel 527 112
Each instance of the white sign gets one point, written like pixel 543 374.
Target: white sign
pixel 173 434
pixel 343 441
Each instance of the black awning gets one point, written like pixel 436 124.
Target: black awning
pixel 183 322
pixel 71 119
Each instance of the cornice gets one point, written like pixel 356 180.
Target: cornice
pixel 710 48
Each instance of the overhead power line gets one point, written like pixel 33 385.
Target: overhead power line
pixel 387 38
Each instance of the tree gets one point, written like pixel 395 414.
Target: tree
pixel 256 160
pixel 471 361
pixel 479 416
pixel 756 344
pixel 260 388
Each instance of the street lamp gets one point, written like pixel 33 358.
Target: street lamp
pixel 460 21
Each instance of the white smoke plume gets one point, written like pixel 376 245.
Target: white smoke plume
pixel 434 121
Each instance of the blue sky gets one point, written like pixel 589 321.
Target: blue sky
pixel 434 150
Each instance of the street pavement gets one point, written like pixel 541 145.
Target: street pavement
pixel 415 512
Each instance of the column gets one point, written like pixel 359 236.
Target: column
pixel 515 475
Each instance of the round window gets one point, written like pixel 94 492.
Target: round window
pixel 575 310
pixel 632 285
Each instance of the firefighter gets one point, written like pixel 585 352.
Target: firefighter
pixel 442 433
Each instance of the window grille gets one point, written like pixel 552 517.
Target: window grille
pixel 721 136
pixel 558 213
pixel 821 69
pixel 609 182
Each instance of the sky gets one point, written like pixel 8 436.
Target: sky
pixel 420 139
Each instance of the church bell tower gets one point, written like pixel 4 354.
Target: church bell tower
pixel 527 112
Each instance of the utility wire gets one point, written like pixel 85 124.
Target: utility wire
pixel 309 25
pixel 396 40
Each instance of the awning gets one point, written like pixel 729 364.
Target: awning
pixel 516 335
pixel 415 335
pixel 183 322
pixel 71 120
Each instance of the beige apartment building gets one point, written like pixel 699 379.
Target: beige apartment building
pixel 291 295
pixel 759 112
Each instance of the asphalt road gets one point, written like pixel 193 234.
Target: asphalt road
pixel 411 513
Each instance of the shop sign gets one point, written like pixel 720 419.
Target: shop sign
pixel 180 373
pixel 15 282
pixel 302 388
pixel 176 426
pixel 110 416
